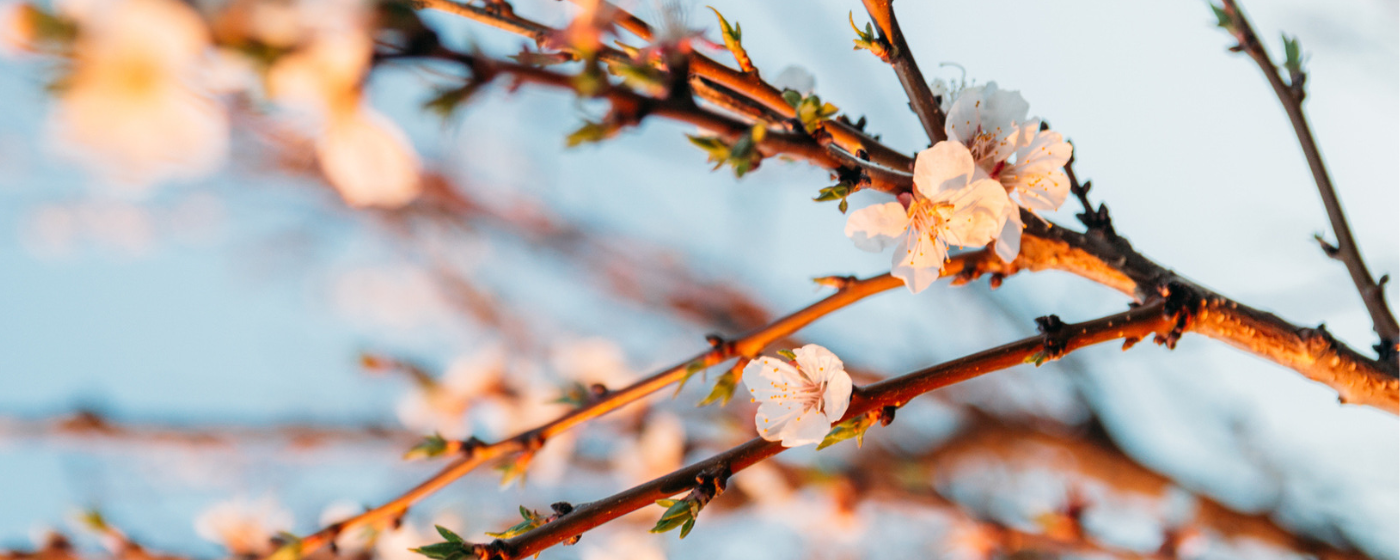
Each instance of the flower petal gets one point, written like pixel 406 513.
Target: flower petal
pixel 947 165
pixel 918 260
pixel 808 428
pixel 770 379
pixel 979 212
pixel 876 228
pixel 818 363
pixel 837 397
pixel 1009 240
pixel 773 418
pixel 369 160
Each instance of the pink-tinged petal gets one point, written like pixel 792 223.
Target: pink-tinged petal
pixel 979 211
pixel 818 363
pixel 771 380
pixel 369 160
pixel 876 228
pixel 837 397
pixel 1009 240
pixel 1044 192
pixel 947 165
pixel 918 260
pixel 808 428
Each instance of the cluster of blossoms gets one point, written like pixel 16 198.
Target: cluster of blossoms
pixel 969 189
pixel 139 107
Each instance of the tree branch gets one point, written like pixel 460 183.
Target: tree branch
pixel 965 267
pixel 1291 97
pixel 1134 324
pixel 921 99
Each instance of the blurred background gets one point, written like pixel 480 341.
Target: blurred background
pixel 166 350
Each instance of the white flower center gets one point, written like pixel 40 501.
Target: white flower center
pixel 929 217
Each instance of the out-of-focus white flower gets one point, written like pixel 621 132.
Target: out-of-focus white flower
pixel 798 401
pixel 130 109
pixel 442 406
pixel 966 540
pixel 593 360
pixel 796 78
pixel 658 450
pixel 625 545
pixel 369 160
pixel 243 526
pixel 953 203
pixel 397 544
pixel 1027 161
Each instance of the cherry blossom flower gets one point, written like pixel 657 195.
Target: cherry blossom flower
pixel 953 203
pixel 658 450
pixel 243 526
pixel 798 400
pixel 132 109
pixel 1027 161
pixel 442 406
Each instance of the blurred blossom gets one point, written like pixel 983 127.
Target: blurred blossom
pixel 58 230
pixel 657 451
pixel 396 544
pixel 796 78
pixel 130 109
pixel 353 540
pixel 243 526
pixel 50 231
pixel 369 160
pixel 442 406
pixel 623 545
pixel 1002 493
pixel 364 155
pixel 396 296
pixel 593 360
pixel 764 484
pixel 965 540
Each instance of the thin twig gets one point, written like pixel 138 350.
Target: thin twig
pixel 921 99
pixel 1136 323
pixel 1372 292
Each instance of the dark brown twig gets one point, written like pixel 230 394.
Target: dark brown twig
pixel 1372 292
pixel 921 99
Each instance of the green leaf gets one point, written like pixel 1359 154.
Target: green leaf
pixel 445 101
pixel 291 550
pixel 691 369
pixel 442 550
pixel 679 513
pixel 843 206
pixel 724 388
pixel 448 534
pixel 591 132
pixel 792 98
pixel 575 394
pixel 431 446
pixel 1293 56
pixel 531 520
pixel 1222 17
pixel 789 354
pixel 853 428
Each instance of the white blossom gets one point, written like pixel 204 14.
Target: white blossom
pixel 795 78
pixel 953 203
pixel 1027 161
pixel 243 526
pixel 798 400
pixel 658 450
pixel 442 406
pixel 132 109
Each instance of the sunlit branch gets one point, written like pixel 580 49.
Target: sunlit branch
pixel 89 427
pixel 1132 325
pixel 1107 259
pixel 899 56
pixel 1291 97
pixel 476 453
